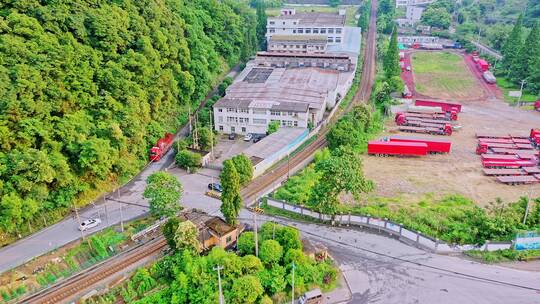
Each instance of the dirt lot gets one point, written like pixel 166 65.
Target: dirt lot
pixel 444 75
pixel 461 170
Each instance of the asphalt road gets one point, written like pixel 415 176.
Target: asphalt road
pixel 377 270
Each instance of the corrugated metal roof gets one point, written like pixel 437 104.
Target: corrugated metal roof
pixel 314 19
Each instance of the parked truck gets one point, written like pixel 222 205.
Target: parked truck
pixel 435 145
pixel 385 148
pixel 537 105
pixel 445 106
pixel 161 148
pixel 444 130
pixel 482 65
pixel 489 77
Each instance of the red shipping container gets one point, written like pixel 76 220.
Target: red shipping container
pixel 397 148
pixel 435 145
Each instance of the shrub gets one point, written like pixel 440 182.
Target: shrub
pixel 246 243
pixel 188 160
pixel 244 167
pixel 271 252
pixel 273 126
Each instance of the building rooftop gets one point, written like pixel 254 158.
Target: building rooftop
pixel 299 38
pixel 314 19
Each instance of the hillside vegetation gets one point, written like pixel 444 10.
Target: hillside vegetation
pixel 86 86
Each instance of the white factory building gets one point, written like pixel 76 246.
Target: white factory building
pixel 289 22
pixel 293 89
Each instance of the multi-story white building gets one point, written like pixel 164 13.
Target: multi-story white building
pixel 270 89
pixel 315 44
pixel 289 22
pixel 402 3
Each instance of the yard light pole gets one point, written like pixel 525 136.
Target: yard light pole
pixel 521 91
pixel 255 234
pixel 218 268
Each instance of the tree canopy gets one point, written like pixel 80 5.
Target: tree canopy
pixel 244 167
pixel 88 86
pixel 230 196
pixel 163 191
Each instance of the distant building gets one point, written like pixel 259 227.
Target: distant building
pixel 289 22
pixel 298 44
pixel 409 40
pixel 403 3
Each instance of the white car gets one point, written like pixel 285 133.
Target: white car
pixel 248 137
pixel 88 224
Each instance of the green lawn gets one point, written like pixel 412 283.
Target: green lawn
pixel 443 75
pixel 507 86
pixel 349 21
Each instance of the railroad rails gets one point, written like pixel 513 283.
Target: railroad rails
pixel 76 284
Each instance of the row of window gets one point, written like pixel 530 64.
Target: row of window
pixel 297 46
pixel 231 119
pixel 257 111
pixel 286 123
pixel 257 121
pixel 233 129
pixel 309 30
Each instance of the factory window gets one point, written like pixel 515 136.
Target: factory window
pixel 338 39
pixel 243 110
pixel 275 113
pixel 296 123
pixel 244 120
pixel 283 22
pixel 259 121
pixel 308 31
pixel 297 46
pixel 243 131
pixel 300 31
pixel 233 110
pixel 294 31
pixel 323 31
pixel 272 22
pixel 315 31
pixel 220 110
pixel 259 111
pixel 220 119
pixel 291 113
pixel 272 30
pixel 233 129
pixel 330 31
pixel 294 22
pixel 330 39
pixel 338 31
pixel 221 128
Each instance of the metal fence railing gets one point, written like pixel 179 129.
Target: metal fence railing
pixel 407 235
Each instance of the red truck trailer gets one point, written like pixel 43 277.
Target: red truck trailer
pixel 162 147
pixel 438 116
pixel 503 172
pixel 537 105
pixel 384 148
pixel 505 140
pixel 435 145
pixel 489 135
pixel 519 180
pixel 532 170
pixel 508 163
pixel 482 65
pixel 496 157
pixel 445 106
pixel 415 121
pixel 446 130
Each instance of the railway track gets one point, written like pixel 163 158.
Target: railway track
pixel 79 283
pixel 251 192
pixel 75 285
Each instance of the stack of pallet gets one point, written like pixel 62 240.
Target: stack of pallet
pixel 513 159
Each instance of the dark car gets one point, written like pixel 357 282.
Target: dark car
pixel 232 136
pixel 215 187
pixel 258 137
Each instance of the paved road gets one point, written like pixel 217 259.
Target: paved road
pixel 376 278
pixel 66 231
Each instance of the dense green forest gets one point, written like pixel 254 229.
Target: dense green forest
pixel 86 86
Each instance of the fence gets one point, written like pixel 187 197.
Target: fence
pixel 383 225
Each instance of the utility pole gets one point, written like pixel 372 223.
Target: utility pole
pixel 218 268
pixel 288 165
pixel 121 214
pixel 527 208
pixel 79 221
pixel 106 213
pixel 255 234
pixel 292 292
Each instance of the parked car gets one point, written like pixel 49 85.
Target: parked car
pixel 232 136
pixel 88 224
pixel 408 68
pixel 248 137
pixel 215 186
pixel 258 137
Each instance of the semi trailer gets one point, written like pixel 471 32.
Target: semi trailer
pixel 537 105
pixel 446 130
pixel 438 116
pixel 508 163
pixel 503 172
pixel 385 148
pixel 445 106
pixel 435 145
pixel 489 77
pixel 519 180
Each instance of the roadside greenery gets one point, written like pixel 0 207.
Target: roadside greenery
pixel 244 167
pixel 386 11
pixel 88 87
pixel 231 200
pixel 188 160
pixel 187 277
pixel 363 20
pixel 163 191
pixel 505 255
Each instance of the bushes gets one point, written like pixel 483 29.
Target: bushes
pixel 188 160
pixel 273 126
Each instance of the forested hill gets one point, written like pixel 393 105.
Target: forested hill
pixel 87 85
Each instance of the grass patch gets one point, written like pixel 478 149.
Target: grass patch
pixel 505 255
pixel 351 11
pixel 506 86
pixel 442 74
